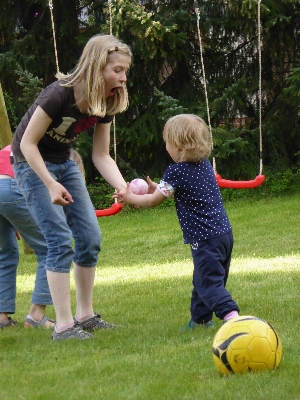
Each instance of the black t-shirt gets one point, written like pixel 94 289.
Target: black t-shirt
pixel 68 122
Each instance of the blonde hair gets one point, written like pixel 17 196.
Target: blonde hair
pixel 77 158
pixel 95 56
pixel 190 134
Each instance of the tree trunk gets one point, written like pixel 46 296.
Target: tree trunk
pixel 5 131
pixel 5 140
pixel 26 248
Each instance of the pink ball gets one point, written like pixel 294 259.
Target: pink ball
pixel 139 186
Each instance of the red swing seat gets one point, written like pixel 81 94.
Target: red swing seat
pixel 107 212
pixel 225 183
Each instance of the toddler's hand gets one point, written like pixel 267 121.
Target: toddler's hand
pixel 152 185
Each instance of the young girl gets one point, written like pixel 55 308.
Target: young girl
pixel 52 184
pixel 202 217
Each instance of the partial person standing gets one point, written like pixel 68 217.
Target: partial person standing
pixel 15 216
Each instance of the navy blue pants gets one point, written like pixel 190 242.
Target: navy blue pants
pixel 211 268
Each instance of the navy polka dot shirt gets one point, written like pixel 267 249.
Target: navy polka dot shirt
pixel 198 200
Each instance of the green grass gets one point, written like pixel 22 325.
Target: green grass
pixel 144 284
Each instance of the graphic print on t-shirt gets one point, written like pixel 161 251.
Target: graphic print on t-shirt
pixel 59 133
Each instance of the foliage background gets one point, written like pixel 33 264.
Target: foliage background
pixel 166 76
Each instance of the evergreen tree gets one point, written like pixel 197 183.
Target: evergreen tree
pixel 164 39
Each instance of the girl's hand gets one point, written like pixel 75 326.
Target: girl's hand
pixel 122 192
pixel 59 195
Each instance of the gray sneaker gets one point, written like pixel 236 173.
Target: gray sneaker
pixel 94 323
pixel 75 332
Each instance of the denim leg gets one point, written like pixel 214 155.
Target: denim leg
pixel 15 210
pixel 60 224
pixel 81 218
pixel 211 267
pixel 9 257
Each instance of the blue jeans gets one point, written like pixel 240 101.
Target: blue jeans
pixel 58 224
pixel 211 268
pixel 14 215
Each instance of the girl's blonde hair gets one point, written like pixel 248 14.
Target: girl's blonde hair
pixel 190 134
pixel 95 56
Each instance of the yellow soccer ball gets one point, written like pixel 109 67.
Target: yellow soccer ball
pixel 246 344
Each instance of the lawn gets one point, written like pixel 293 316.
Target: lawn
pixel 143 284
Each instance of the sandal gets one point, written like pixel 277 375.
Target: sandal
pixel 10 322
pixel 45 322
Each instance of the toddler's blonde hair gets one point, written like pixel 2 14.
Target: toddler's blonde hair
pixel 190 134
pixel 95 56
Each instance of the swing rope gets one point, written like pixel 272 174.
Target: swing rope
pixel 114 120
pixel 225 183
pixel 259 85
pixel 53 33
pixel 116 207
pixel 197 11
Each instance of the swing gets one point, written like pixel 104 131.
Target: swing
pixel 116 207
pixel 260 178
